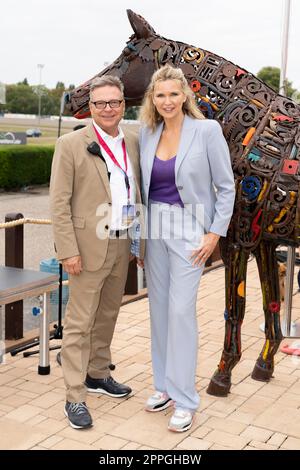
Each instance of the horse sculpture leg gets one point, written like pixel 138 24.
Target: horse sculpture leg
pixel 235 259
pixel 269 279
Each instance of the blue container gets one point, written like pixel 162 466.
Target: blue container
pixel 52 266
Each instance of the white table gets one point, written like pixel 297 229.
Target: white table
pixel 18 284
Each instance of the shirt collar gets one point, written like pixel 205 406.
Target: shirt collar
pixel 108 137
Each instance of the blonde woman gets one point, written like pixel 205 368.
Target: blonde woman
pixel 188 188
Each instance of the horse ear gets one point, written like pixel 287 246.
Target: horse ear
pixel 140 26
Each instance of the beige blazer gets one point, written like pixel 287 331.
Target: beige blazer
pixel 78 185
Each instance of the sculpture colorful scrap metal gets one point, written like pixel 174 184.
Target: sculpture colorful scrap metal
pixel 262 129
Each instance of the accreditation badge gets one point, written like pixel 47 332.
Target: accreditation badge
pixel 128 214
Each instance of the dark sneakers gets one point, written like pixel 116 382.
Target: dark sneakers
pixel 107 386
pixel 78 415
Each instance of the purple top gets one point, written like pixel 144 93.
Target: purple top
pixel 162 185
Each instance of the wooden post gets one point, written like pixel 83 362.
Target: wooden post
pixel 14 255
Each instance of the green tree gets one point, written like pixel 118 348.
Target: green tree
pixel 24 82
pixel 50 102
pixel 271 76
pixel 60 85
pixel 24 99
pixel 21 98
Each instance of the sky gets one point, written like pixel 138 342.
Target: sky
pixel 75 39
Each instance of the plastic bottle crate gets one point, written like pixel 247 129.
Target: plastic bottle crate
pixel 52 266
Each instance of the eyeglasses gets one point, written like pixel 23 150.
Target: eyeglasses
pixel 103 104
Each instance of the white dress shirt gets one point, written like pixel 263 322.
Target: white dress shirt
pixel 119 195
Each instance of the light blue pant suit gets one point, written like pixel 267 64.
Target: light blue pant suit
pixel 204 179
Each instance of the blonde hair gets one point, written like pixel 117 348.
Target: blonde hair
pixel 149 114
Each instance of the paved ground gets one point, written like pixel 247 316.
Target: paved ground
pixel 254 416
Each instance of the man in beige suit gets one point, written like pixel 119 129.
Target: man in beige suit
pixel 94 191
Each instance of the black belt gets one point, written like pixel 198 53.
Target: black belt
pixel 117 233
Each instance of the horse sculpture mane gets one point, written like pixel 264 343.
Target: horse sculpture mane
pixel 262 130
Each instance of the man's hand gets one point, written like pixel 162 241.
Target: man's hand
pixel 72 265
pixel 140 262
pixel 200 255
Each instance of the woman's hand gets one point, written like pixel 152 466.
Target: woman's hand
pixel 200 255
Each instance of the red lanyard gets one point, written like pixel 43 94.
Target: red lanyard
pixel 111 155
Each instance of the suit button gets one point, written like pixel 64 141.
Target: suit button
pixel 106 227
pixel 179 187
pixel 109 203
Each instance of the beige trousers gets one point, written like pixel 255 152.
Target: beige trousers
pixel 91 314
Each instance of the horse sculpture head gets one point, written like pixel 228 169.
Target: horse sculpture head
pixel 263 134
pixel 134 67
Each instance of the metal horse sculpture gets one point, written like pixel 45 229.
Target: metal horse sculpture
pixel 262 129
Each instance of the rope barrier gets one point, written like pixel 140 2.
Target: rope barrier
pixel 15 223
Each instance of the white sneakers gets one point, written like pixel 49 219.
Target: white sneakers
pixel 180 421
pixel 158 402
